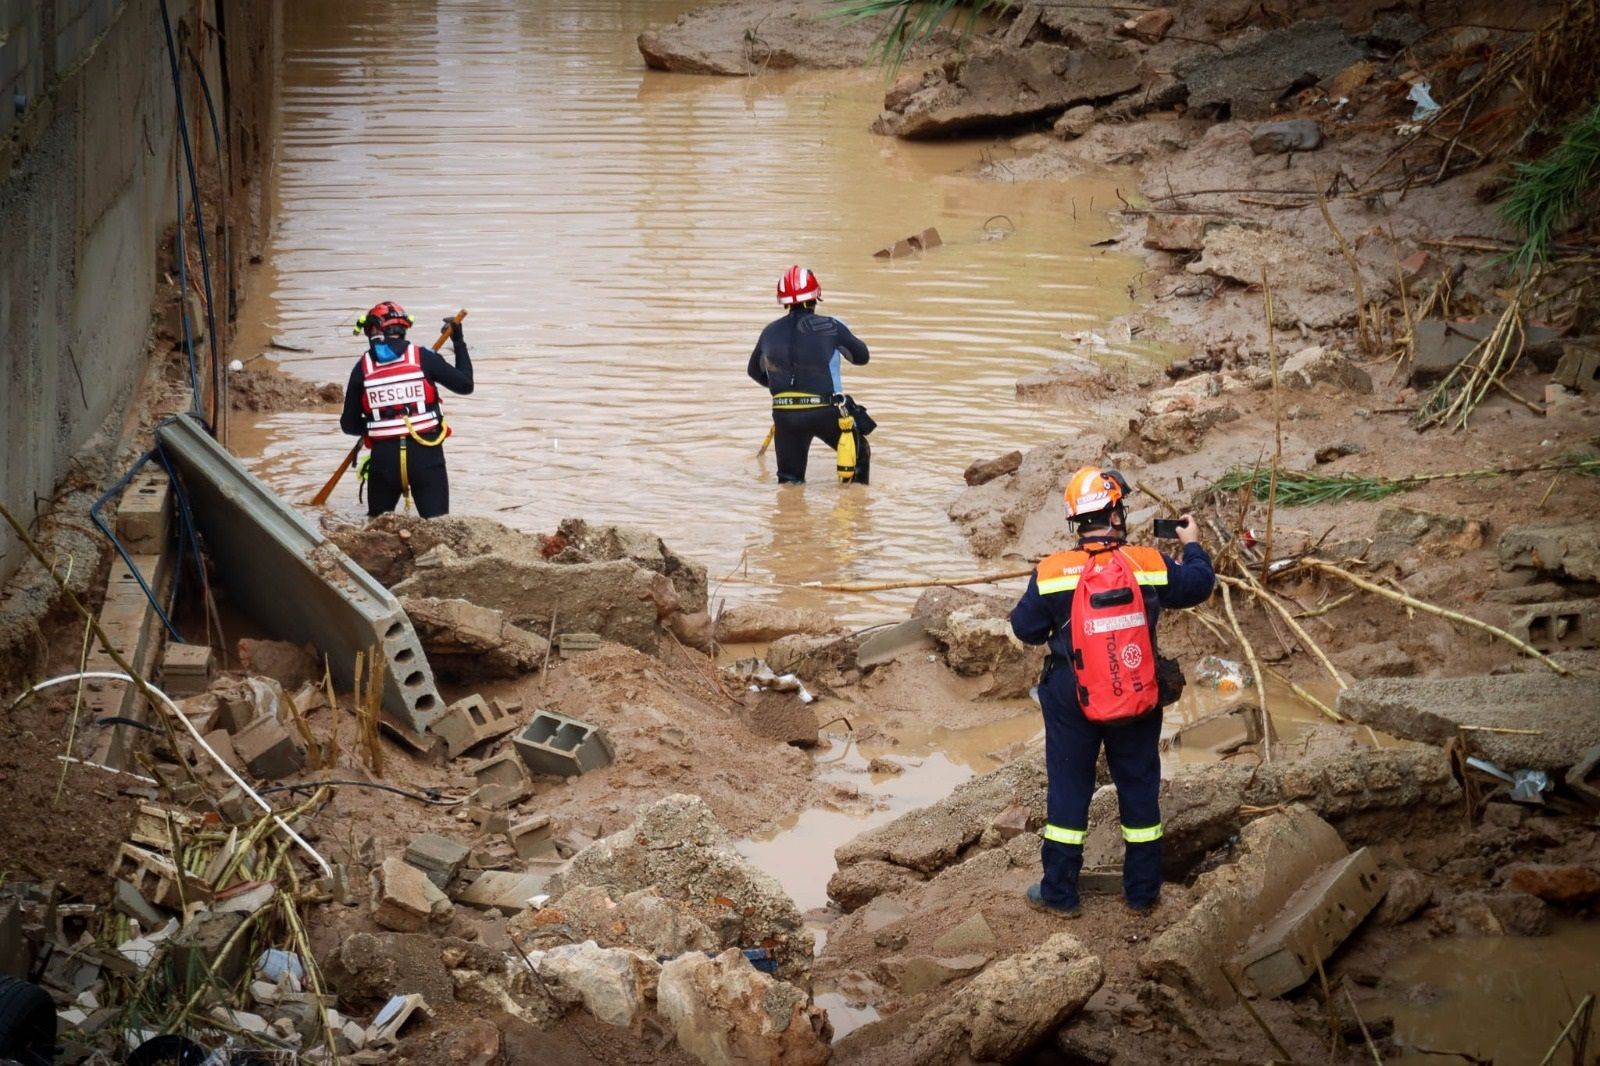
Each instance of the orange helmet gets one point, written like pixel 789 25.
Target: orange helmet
pixel 1091 490
pixel 382 317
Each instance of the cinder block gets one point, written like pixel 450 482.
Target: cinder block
pixel 269 750
pixel 1579 368
pixel 505 770
pixel 437 856
pixel 186 669
pixel 1560 626
pixel 142 515
pixel 561 746
pixel 467 723
pixel 1287 952
pixel 497 797
pixel 533 837
pixel 574 643
pixel 235 710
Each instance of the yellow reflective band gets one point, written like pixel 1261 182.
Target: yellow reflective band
pixel 1151 577
pixel 1141 836
pixel 1068 836
pixel 1058 584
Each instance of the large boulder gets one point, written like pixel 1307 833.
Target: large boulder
pixel 1005 1012
pixel 614 984
pixel 724 1011
pixel 977 640
pixel 676 845
pixel 1007 86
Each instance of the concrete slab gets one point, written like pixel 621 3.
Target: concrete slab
pixel 132 627
pixel 1322 915
pixel 504 889
pixel 437 856
pixel 1560 711
pixel 908 638
pixel 1571 548
pixel 291 580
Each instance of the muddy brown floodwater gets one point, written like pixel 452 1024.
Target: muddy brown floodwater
pixel 616 234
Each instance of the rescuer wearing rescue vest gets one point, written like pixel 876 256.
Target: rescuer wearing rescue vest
pixel 797 359
pixel 1096 607
pixel 392 401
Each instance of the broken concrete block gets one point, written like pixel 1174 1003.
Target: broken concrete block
pixel 154 826
pixel 1309 366
pixel 384 1032
pixel 142 513
pixel 505 769
pixel 127 900
pixel 1439 346
pixel 403 899
pixel 1584 777
pixel 198 946
pixel 467 643
pixel 911 974
pixel 1559 709
pixel 972 935
pixel 1559 626
pixel 235 709
pixel 269 749
pixel 1276 855
pixel 1323 913
pixel 1280 138
pixel 437 856
pixel 467 723
pixel 1172 232
pixel 565 747
pixel 492 797
pixel 290 665
pixel 572 644
pixel 503 889
pixel 1579 368
pixel 155 877
pixel 723 1010
pixel 1572 549
pixel 186 669
pixel 533 837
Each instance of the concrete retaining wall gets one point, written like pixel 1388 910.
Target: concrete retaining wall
pixel 89 153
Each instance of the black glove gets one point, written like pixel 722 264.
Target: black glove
pixel 455 330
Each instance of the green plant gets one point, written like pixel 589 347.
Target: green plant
pixel 910 23
pixel 1548 192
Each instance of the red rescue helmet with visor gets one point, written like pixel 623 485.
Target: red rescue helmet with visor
pixel 383 318
pixel 798 286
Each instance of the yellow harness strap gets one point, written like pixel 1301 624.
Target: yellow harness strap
pixel 405 477
pixel 444 431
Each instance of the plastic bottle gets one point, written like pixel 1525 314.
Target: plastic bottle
pixel 1224 675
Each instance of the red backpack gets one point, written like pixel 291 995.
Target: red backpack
pixel 1112 654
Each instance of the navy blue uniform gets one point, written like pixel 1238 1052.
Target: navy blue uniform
pixel 797 360
pixel 1072 742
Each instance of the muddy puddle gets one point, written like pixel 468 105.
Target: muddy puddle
pixel 616 235
pixel 1503 998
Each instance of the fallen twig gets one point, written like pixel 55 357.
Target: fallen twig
pixel 1255 668
pixel 916 583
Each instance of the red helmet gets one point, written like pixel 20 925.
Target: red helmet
pixel 382 316
pixel 797 286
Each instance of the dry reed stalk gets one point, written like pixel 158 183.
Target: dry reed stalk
pixel 1255 668
pixel 1411 602
pixel 1277 419
pixel 72 726
pixel 335 749
pixel 918 583
pixel 369 706
pixel 1363 326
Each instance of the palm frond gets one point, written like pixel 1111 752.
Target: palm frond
pixel 1547 193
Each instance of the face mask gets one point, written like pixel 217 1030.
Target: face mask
pixel 381 351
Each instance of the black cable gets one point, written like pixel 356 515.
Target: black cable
pixel 100 524
pixel 430 795
pixel 117 719
pixel 222 166
pixel 199 211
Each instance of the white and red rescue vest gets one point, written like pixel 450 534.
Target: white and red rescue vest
pixel 398 392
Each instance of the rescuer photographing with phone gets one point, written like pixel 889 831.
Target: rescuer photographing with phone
pixel 1096 607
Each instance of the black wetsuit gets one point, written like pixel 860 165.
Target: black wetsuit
pixel 796 355
pixel 425 469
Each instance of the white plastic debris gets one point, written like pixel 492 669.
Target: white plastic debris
pixel 1423 98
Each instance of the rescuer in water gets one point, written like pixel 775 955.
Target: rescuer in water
pixel 392 401
pixel 1096 606
pixel 797 360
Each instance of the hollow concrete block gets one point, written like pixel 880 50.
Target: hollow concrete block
pixel 1326 910
pixel 564 747
pixel 469 722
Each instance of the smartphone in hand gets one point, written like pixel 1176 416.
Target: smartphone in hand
pixel 1167 528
